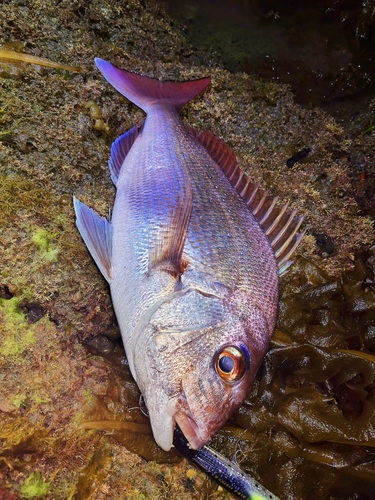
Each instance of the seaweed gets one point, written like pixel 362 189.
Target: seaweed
pixel 34 486
pixel 44 241
pixel 13 56
pixel 312 407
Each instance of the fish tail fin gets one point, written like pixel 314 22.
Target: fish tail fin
pixel 144 91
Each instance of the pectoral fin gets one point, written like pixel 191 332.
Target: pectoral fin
pixel 168 238
pixel 96 232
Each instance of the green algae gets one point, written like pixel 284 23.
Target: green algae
pixel 44 241
pixel 15 318
pixel 17 334
pixel 19 400
pixel 34 486
pixel 15 344
pixel 38 398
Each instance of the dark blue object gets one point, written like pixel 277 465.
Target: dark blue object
pixel 222 470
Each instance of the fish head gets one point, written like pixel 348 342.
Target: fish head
pixel 197 378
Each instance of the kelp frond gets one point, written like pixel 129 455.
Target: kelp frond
pixel 12 56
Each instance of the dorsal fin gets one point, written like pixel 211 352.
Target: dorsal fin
pixel 279 224
pixel 119 149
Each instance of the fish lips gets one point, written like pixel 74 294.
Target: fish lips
pixel 164 418
pixel 201 418
pixel 192 432
pixel 197 429
pixel 200 407
pixel 161 411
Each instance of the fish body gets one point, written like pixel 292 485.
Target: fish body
pixel 193 274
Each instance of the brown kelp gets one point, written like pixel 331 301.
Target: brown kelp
pixel 312 410
pixel 19 57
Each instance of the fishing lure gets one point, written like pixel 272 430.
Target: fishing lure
pixel 223 470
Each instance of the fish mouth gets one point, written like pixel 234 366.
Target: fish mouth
pixel 163 431
pixel 164 412
pixel 177 412
pixel 191 431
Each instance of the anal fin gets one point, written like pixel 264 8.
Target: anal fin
pixel 96 232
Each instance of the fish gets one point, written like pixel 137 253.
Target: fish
pixel 192 254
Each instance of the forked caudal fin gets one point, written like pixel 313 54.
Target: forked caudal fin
pixel 144 91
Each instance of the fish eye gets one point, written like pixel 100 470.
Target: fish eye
pixel 231 363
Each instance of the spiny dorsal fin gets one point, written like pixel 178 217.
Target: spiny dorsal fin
pixel 119 149
pixel 279 224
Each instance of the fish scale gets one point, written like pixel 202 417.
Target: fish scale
pixel 191 254
pixel 211 189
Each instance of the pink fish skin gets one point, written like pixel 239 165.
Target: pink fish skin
pixel 193 274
